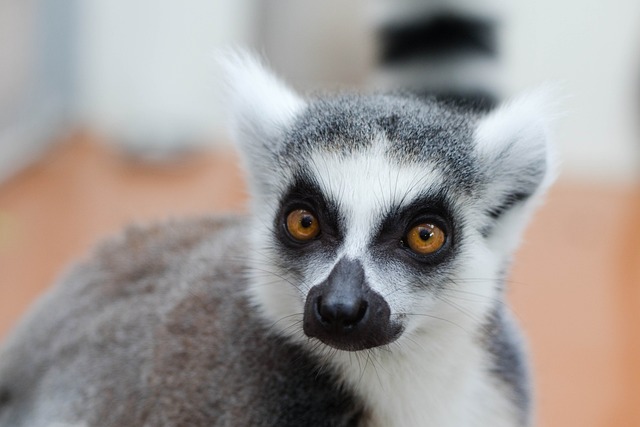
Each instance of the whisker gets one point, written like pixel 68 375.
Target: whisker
pixel 436 318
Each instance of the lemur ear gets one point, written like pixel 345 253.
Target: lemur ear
pixel 515 155
pixel 261 107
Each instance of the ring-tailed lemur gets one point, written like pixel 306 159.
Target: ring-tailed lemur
pixel 365 289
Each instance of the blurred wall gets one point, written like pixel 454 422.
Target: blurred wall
pixel 591 49
pixel 146 72
pixel 141 71
pixel 317 45
pixel 36 78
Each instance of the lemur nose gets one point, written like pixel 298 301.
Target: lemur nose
pixel 345 313
pixel 341 313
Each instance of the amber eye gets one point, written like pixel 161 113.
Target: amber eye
pixel 302 225
pixel 425 239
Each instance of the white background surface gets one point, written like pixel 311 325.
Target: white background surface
pixel 144 73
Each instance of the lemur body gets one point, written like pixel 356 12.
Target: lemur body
pixel 170 349
pixel 365 289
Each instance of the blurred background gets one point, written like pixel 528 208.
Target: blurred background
pixel 110 114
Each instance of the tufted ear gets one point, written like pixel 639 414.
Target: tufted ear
pixel 512 145
pixel 261 108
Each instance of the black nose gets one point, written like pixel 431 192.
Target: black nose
pixel 337 313
pixel 345 313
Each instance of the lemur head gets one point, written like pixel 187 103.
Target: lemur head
pixel 377 217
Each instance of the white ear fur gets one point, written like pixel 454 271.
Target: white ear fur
pixel 260 105
pixel 513 147
pixel 513 142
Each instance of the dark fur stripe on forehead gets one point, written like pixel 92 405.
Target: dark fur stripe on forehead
pixel 419 131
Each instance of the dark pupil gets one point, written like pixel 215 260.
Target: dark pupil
pixel 425 234
pixel 306 221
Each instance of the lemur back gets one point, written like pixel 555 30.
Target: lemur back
pixel 366 287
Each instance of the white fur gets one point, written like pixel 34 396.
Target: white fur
pixel 365 185
pixel 522 126
pixel 438 379
pixel 508 140
pixel 261 108
pixel 436 373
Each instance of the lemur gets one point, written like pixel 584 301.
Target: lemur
pixel 364 288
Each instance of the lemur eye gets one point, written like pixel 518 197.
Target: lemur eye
pixel 425 239
pixel 302 225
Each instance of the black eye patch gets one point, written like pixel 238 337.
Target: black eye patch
pixel 305 194
pixel 427 209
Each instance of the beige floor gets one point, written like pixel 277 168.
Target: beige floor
pixel 575 288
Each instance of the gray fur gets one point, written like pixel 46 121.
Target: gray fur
pixel 155 330
pixel 420 130
pixel 510 366
pixel 200 323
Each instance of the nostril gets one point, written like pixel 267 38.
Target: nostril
pixel 359 314
pixel 341 313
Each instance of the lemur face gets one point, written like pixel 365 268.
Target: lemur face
pixel 362 247
pixel 380 217
pixel 368 243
